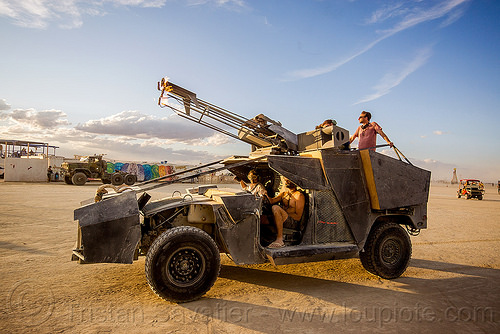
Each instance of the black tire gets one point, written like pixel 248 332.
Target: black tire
pixel 458 196
pixel 67 179
pixel 480 197
pixel 129 179
pixel 182 264
pixel 116 179
pixel 387 251
pixel 79 179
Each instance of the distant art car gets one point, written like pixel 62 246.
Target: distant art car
pixel 470 188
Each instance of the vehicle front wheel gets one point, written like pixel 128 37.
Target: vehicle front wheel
pixel 79 179
pixel 387 251
pixel 182 264
pixel 67 179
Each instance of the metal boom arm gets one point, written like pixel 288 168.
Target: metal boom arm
pixel 259 131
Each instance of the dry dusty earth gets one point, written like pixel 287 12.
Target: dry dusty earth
pixel 451 286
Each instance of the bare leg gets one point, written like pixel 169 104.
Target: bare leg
pixel 280 216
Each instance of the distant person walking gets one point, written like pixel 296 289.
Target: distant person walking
pixel 367 133
pixel 49 173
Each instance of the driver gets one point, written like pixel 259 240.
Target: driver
pixel 289 213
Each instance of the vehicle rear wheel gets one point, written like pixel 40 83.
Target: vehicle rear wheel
pixel 129 179
pixel 182 264
pixel 79 179
pixel 387 251
pixel 480 197
pixel 116 179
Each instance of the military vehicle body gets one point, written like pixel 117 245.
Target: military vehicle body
pixel 357 203
pixel 94 167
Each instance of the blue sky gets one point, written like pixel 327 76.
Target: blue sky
pixel 82 74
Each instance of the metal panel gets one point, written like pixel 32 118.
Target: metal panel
pixel 311 253
pixel 242 239
pixel 343 169
pixel 306 172
pixel 110 229
pixel 331 224
pixel 399 184
pixel 239 206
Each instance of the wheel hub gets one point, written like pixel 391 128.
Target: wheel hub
pixel 185 266
pixel 391 251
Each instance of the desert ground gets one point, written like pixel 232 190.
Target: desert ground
pixel 452 284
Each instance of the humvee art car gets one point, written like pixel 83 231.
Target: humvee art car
pixel 357 203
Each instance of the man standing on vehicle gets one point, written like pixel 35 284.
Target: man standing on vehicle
pixel 367 133
pixel 290 213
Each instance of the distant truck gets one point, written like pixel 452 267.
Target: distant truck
pixel 94 167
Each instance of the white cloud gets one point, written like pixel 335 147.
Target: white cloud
pixel 127 124
pixel 120 148
pixel 215 140
pixel 4 105
pixel 387 12
pixel 234 4
pixel 46 119
pixel 139 3
pixel 438 132
pixel 38 13
pixel 391 80
pixel 141 126
pixel 69 14
pixel 129 135
pixel 411 16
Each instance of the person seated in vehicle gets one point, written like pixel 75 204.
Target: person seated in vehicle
pixel 254 187
pixel 257 188
pixel 289 213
